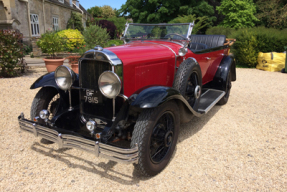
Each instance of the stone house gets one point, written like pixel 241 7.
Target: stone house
pixel 35 17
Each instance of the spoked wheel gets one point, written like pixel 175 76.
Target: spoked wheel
pixel 188 82
pixel 156 133
pixel 47 98
pixel 161 138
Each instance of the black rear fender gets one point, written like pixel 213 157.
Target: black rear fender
pixel 220 78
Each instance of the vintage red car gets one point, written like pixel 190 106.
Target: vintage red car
pixel 127 102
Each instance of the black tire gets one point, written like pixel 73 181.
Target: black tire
pixel 187 78
pixel 228 86
pixel 42 101
pixel 156 140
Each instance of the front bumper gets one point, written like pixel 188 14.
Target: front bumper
pixel 113 153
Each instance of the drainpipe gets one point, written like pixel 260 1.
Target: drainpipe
pixel 44 16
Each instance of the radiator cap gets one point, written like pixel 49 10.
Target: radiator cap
pixel 99 48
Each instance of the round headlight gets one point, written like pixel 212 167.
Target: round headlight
pixel 64 77
pixel 182 51
pixel 110 84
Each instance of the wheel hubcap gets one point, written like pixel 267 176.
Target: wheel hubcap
pixel 197 92
pixel 193 89
pixel 168 138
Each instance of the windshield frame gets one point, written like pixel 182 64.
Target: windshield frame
pixel 190 27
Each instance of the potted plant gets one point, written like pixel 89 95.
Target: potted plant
pixel 74 59
pixel 52 43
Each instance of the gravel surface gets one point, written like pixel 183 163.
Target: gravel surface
pixel 237 147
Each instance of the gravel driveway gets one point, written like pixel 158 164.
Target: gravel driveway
pixel 240 146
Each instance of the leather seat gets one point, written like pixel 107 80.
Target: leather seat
pixel 209 40
pixel 197 46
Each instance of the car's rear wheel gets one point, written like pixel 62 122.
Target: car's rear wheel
pixel 156 133
pixel 188 82
pixel 228 86
pixel 46 98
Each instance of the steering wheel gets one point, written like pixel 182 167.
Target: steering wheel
pixel 176 34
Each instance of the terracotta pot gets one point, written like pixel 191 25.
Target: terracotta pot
pixel 75 67
pixel 52 64
pixel 73 61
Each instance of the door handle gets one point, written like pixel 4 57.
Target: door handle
pixel 208 58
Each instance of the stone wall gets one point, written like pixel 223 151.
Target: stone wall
pixel 36 50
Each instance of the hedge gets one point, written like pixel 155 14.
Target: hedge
pixel 251 41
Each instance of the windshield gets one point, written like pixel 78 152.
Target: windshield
pixel 178 31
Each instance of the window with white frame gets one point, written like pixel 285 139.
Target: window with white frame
pixel 55 23
pixel 61 1
pixel 35 24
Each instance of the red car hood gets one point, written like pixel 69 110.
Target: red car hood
pixel 139 51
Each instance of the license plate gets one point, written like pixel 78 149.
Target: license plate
pixel 92 96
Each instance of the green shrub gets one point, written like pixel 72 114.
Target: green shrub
pixel 220 30
pixel 249 42
pixel 27 49
pixel 95 35
pixel 51 43
pixel 74 38
pixel 11 52
pixel 116 42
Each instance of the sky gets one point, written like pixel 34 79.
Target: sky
pixel 91 3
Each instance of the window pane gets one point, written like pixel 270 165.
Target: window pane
pixel 38 29
pixel 32 27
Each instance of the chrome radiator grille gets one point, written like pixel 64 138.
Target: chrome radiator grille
pixel 90 71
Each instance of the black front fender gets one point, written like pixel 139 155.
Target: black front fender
pixel 152 96
pixel 48 80
pixel 157 95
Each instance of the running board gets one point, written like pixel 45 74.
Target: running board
pixel 208 99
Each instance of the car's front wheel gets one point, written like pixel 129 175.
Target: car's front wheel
pixel 156 133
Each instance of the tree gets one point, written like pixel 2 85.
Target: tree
pixel 107 11
pixel 158 11
pixel 272 13
pixel 238 13
pixel 109 26
pixel 200 22
pixel 75 22
pixel 95 11
pixel 95 35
